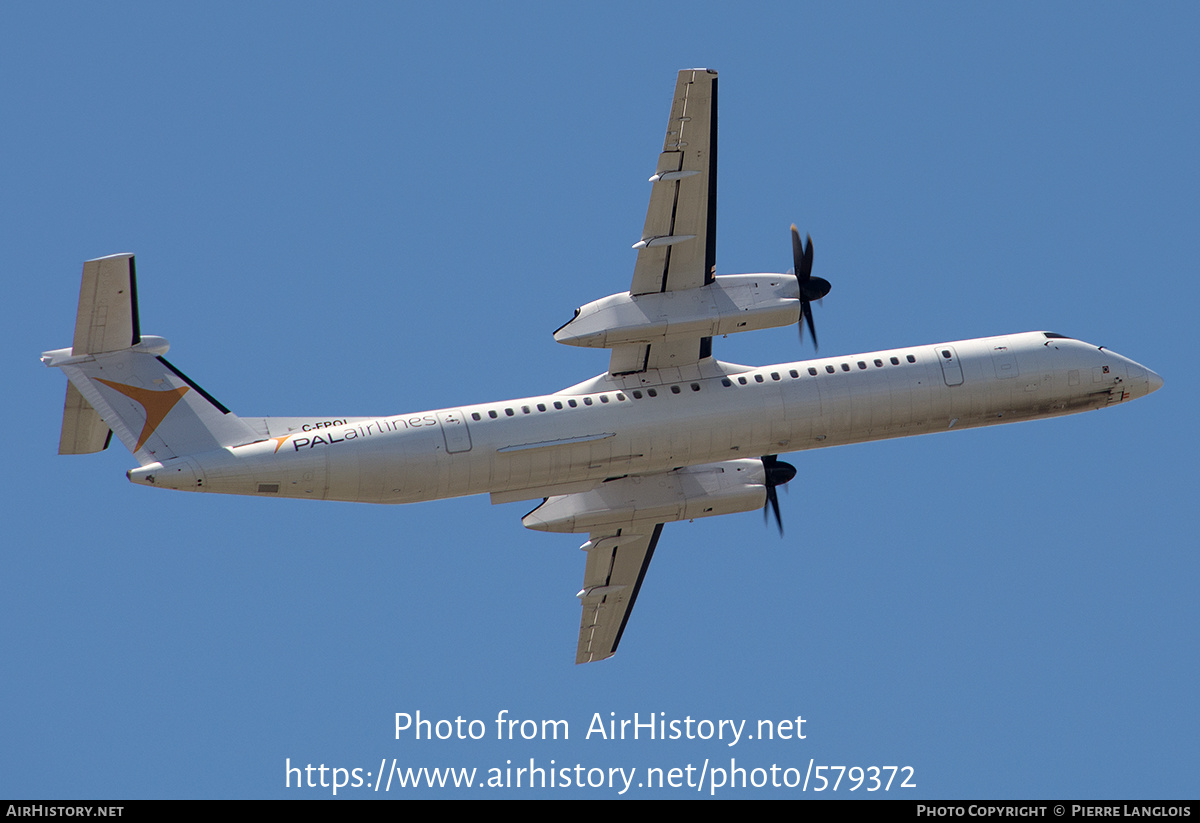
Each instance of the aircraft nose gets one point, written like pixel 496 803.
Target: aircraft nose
pixel 1155 382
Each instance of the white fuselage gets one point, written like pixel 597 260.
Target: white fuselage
pixel 534 446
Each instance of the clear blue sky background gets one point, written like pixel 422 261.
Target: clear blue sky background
pixel 383 208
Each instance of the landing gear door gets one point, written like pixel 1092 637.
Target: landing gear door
pixel 454 429
pixel 951 368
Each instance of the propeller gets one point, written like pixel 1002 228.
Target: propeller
pixel 811 288
pixel 778 473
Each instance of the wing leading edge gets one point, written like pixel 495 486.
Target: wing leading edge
pixel 678 248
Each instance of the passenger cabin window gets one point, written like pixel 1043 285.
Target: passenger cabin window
pixel 725 381
pixel 794 373
pixel 474 415
pixel 572 403
pixel 558 404
pixel 829 369
pixel 758 378
pixel 541 406
pixel 845 367
pixel 861 364
pixel 509 412
pixel 674 390
pixel 587 401
pixel 492 414
pixel 895 361
pixel 878 363
pixel 604 398
pixel 946 353
pixel 695 387
pixel 812 371
pixel 774 375
pixel 742 380
pixel 652 392
pixel 912 359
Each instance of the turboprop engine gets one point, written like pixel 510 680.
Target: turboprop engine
pixel 731 303
pixel 639 503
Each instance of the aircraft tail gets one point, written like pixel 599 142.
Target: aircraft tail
pixel 121 384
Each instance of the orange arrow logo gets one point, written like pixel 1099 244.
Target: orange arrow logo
pixel 156 404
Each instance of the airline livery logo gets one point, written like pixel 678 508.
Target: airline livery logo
pixel 156 403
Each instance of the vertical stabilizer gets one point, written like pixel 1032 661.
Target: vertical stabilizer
pixel 121 384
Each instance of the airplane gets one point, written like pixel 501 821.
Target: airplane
pixel 668 433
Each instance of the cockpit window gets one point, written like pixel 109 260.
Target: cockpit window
pixel 1054 336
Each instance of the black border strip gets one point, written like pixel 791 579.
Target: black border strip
pixel 193 384
pixel 710 248
pixel 133 301
pixel 638 586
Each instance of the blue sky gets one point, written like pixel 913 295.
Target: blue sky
pixel 385 209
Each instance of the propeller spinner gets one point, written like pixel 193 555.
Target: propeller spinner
pixel 811 288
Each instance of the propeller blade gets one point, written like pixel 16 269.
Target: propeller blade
pixel 811 288
pixel 806 309
pixel 773 499
pixel 777 474
pixel 797 251
pixel 802 256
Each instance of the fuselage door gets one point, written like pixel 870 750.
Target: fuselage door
pixel 454 429
pixel 951 368
pixel 1005 362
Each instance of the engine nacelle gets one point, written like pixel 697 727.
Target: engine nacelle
pixel 639 503
pixel 731 303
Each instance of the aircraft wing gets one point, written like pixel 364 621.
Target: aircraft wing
pixel 616 566
pixel 624 516
pixel 678 248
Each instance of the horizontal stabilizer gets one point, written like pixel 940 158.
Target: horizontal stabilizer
pixel 83 432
